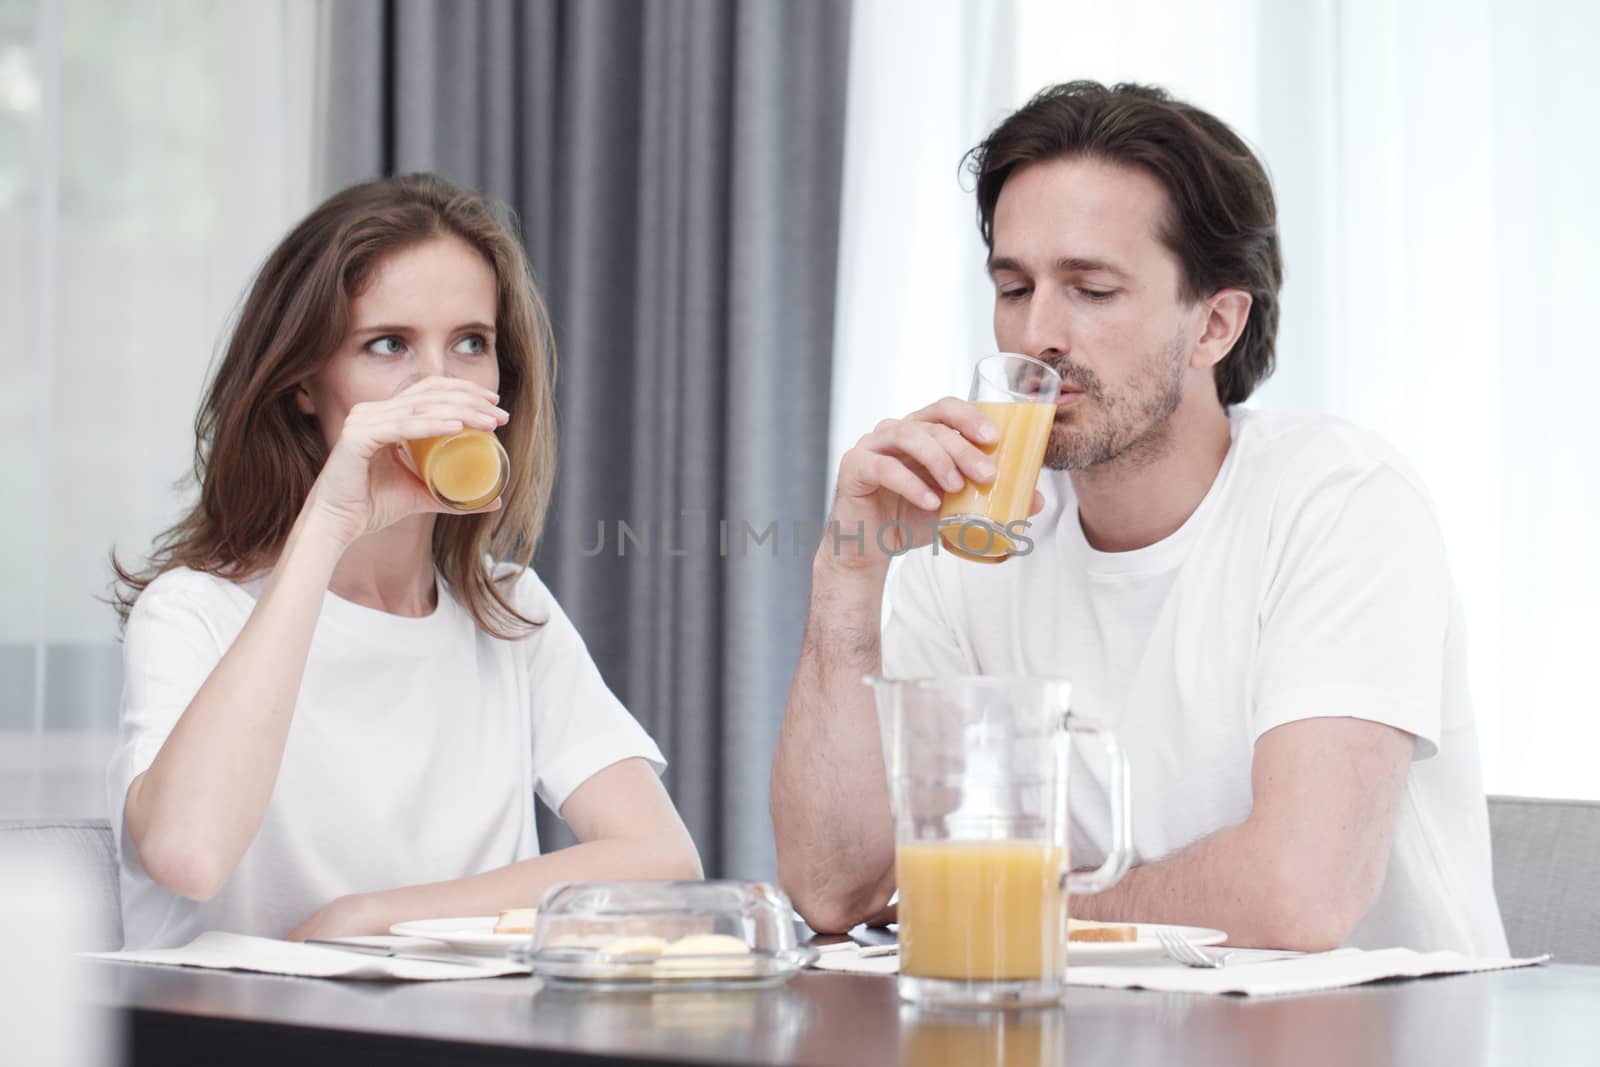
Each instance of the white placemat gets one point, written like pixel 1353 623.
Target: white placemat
pixel 422 961
pixel 846 958
pixel 1304 974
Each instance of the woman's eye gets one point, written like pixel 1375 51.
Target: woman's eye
pixel 386 346
pixel 472 345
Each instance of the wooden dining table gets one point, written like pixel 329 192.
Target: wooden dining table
pixel 1547 1015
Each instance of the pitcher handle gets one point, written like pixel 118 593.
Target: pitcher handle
pixel 1120 856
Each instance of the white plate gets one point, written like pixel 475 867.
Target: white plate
pixel 474 935
pixel 1145 948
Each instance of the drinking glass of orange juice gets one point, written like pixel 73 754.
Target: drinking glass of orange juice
pixel 977 771
pixel 464 470
pixel 1019 396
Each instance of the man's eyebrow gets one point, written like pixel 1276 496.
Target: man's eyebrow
pixel 1081 265
pixel 1004 263
pixel 1064 265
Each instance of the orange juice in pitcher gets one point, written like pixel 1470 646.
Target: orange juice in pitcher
pixel 987 910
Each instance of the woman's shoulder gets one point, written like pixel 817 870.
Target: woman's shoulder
pixel 526 591
pixel 198 591
pixel 183 609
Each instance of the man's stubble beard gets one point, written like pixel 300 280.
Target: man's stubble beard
pixel 1132 426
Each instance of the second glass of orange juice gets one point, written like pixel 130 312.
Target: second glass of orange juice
pixel 1018 395
pixel 463 471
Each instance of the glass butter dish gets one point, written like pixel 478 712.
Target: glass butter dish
pixel 655 935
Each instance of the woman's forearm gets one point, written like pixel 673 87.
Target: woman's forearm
pixel 194 812
pixel 518 885
pixel 630 832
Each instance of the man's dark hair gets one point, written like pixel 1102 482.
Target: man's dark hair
pixel 1223 221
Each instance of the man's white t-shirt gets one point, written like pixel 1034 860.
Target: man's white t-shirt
pixel 416 748
pixel 1310 582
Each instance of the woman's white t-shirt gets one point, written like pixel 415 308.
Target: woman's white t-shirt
pixel 416 748
pixel 1311 581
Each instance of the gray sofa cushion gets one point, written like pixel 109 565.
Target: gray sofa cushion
pixel 85 849
pixel 1547 875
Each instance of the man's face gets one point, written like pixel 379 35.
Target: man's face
pixel 1084 283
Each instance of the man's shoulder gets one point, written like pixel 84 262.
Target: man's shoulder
pixel 1308 451
pixel 1317 479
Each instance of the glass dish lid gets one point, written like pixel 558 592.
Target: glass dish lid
pixel 654 934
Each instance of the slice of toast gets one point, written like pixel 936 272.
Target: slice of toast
pixel 1084 930
pixel 516 921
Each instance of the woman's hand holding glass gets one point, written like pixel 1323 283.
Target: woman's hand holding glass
pixel 366 484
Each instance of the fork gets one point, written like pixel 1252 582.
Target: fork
pixel 1189 955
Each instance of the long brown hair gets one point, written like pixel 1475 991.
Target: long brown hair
pixel 256 454
pixel 1223 221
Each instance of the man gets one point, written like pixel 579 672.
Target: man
pixel 1259 603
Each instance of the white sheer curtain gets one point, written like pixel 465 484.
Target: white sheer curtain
pixel 912 293
pixel 1434 166
pixel 150 154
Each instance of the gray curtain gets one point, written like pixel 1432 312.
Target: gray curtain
pixel 676 169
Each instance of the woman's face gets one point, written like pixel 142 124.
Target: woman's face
pixel 426 310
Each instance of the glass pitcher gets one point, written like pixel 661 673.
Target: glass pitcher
pixel 977 771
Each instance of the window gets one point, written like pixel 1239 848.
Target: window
pixel 150 154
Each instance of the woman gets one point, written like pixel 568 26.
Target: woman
pixel 337 708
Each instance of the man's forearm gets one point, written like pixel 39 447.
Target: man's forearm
pixel 830 802
pixel 1227 881
pixel 1307 865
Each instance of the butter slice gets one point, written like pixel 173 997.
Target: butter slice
pixel 634 946
pixel 707 945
